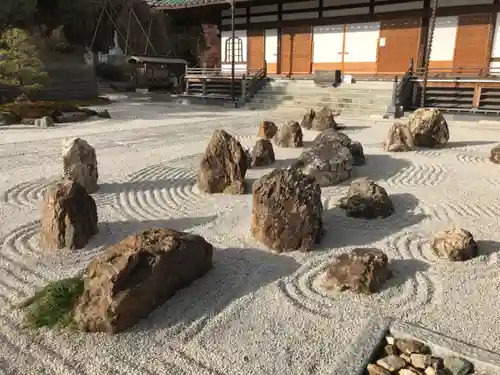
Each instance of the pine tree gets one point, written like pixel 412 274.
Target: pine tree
pixel 20 63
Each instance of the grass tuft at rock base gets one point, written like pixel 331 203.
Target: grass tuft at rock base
pixel 53 305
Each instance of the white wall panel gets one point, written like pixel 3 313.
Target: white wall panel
pixel 445 35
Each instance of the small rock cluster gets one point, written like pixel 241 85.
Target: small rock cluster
pixel 45 114
pixel 426 128
pixel 127 280
pixel 68 211
pixel 412 357
pixel 287 210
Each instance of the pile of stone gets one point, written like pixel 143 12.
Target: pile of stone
pixel 287 211
pixel 45 114
pixel 68 211
pixel 412 357
pixel 426 127
pixel 131 278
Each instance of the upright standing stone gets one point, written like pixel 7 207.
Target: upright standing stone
pixel 324 119
pixel 267 129
pixel 289 135
pixel 69 216
pixel 263 153
pixel 287 211
pixel 399 138
pixel 224 165
pixel 307 119
pixel 80 164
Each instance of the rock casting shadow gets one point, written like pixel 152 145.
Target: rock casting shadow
pixel 380 167
pixel 342 231
pixel 402 271
pixel 487 247
pixel 114 231
pixel 236 273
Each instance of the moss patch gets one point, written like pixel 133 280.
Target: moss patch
pixel 40 109
pixel 53 305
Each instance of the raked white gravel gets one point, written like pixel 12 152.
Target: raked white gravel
pixel 256 312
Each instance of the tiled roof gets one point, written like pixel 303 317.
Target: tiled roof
pixel 183 3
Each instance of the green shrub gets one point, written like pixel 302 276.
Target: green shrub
pixel 53 305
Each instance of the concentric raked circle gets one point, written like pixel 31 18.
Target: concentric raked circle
pixel 162 190
pixel 403 296
pixel 416 245
pixel 27 193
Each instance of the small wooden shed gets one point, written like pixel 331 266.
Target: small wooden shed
pixel 157 72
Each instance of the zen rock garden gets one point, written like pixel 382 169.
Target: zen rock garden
pixel 127 281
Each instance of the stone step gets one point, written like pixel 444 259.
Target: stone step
pixel 318 106
pixel 322 101
pixel 326 90
pixel 343 111
pixel 324 98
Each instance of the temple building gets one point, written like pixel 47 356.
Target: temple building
pixel 359 37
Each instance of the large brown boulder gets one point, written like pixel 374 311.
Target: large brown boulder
pixel 287 212
pixel 328 163
pixel 224 165
pixel 455 244
pixel 307 119
pixel 263 153
pixel 289 135
pixel 324 119
pixel 68 216
pixel 365 199
pixel 333 136
pixel 80 164
pixel 495 154
pixel 399 138
pixel 267 129
pixel 362 270
pixel 428 127
pixel 133 277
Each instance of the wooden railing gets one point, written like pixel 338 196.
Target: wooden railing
pixel 254 84
pixel 239 72
pixel 459 71
pixel 217 82
pixel 467 91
